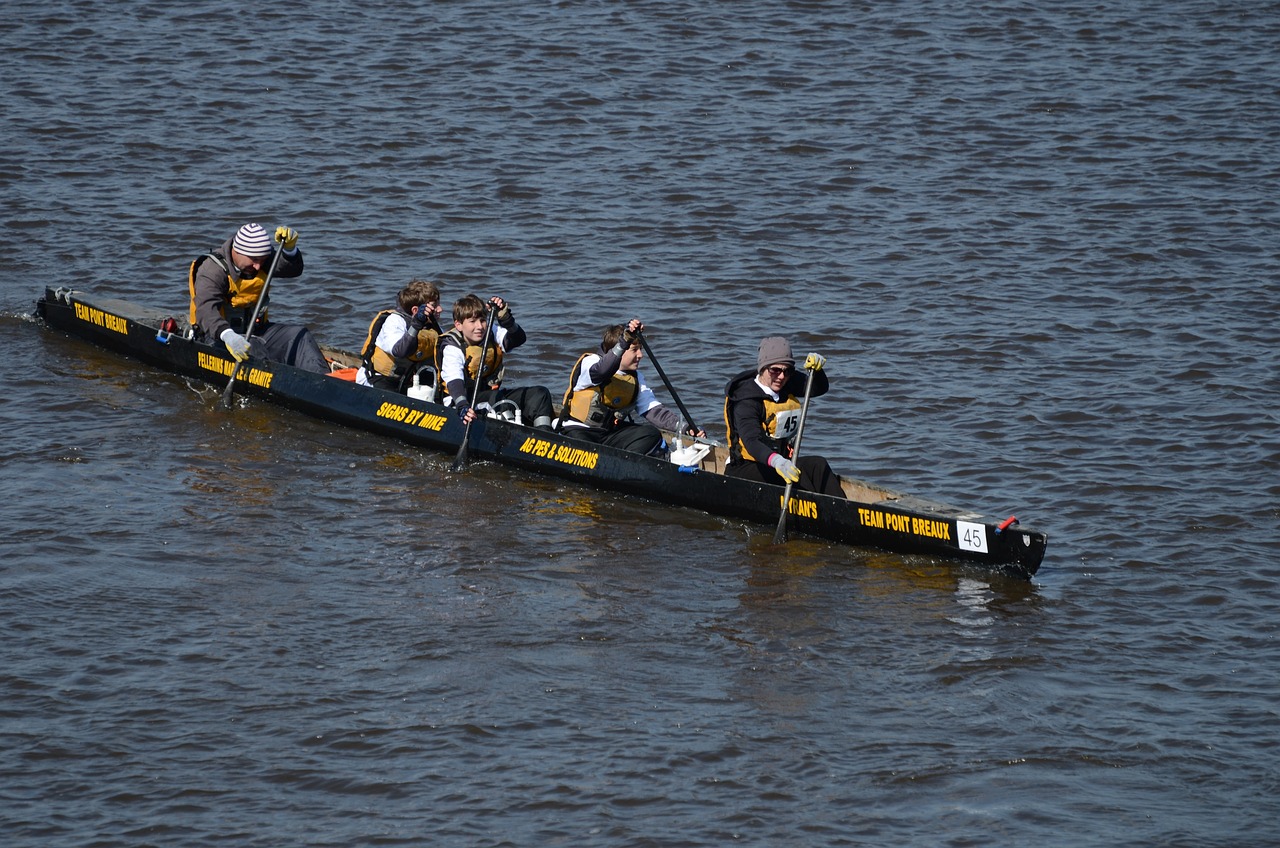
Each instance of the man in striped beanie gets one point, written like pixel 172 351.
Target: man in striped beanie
pixel 225 285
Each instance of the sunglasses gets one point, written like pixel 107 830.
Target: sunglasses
pixel 779 370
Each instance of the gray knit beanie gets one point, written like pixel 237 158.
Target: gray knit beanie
pixel 774 350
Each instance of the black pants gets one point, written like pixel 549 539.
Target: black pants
pixel 288 343
pixel 392 383
pixel 534 403
pixel 815 475
pixel 637 437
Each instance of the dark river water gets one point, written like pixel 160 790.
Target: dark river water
pixel 1037 245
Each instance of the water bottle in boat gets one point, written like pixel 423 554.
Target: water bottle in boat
pixel 426 392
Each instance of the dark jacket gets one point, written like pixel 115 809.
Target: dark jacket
pixel 744 408
pixel 211 290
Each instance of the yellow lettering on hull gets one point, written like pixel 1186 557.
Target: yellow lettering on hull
pixel 432 422
pixel 216 364
pixel 98 318
pixel 258 377
pixel 224 367
pixel 802 508
pixel 413 417
pixel 927 527
pixel 393 411
pixel 932 529
pixel 564 454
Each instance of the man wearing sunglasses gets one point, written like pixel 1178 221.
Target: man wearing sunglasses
pixel 762 411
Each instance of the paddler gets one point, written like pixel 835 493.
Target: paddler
pixel 608 401
pixel 470 363
pixel 402 339
pixel 225 285
pixel 762 412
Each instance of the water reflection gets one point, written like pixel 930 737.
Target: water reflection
pixel 247 478
pixel 972 596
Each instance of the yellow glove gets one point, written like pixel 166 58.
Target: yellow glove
pixel 287 236
pixel 786 469
pixel 237 345
pixel 814 362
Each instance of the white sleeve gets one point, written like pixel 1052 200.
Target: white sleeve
pixel 584 375
pixel 453 364
pixel 646 399
pixel 393 330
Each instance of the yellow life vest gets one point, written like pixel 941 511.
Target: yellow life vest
pixel 490 374
pixel 598 406
pixel 244 293
pixel 377 359
pixel 780 424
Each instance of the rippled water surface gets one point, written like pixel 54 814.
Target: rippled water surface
pixel 1038 247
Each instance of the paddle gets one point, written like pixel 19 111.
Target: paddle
pixel 257 307
pixel 670 388
pixel 460 460
pixel 780 535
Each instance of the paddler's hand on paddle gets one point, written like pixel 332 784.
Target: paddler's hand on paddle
pixel 687 429
pixel 237 345
pixel 785 467
pixel 504 311
pixel 814 362
pixel 421 315
pixel 465 412
pixel 631 333
pixel 287 237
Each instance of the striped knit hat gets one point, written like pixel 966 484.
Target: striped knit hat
pixel 252 240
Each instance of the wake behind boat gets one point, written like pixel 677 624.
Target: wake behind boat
pixel 870 517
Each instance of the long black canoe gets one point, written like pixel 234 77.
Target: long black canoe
pixel 871 516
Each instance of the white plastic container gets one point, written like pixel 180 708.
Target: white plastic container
pixel 417 391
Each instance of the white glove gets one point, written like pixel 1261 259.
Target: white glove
pixel 785 467
pixel 237 345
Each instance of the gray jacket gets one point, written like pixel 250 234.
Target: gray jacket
pixel 211 288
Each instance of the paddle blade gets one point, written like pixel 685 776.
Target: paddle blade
pixel 231 386
pixel 780 535
pixel 460 461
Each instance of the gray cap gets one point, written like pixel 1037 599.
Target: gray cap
pixel 773 350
